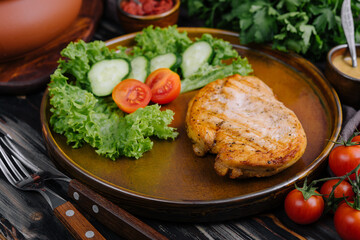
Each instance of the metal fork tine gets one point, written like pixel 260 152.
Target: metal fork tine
pixel 14 165
pixel 22 133
pixel 20 157
pixel 10 163
pixel 4 168
pixel 19 164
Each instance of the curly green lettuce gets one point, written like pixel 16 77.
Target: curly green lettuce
pixel 208 73
pixel 155 41
pixel 222 49
pixel 83 118
pixel 80 56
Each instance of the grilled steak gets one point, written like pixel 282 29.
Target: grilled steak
pixel 239 119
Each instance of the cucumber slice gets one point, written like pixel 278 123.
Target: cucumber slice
pixel 195 56
pixel 139 68
pixel 106 74
pixel 168 60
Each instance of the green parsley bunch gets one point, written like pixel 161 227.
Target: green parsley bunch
pixel 308 27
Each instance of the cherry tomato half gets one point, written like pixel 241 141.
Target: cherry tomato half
pixel 344 189
pixel 165 85
pixel 347 222
pixel 343 159
pixel 303 211
pixel 131 94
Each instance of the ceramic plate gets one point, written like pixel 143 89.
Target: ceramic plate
pixel 171 183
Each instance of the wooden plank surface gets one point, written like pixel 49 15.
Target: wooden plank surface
pixel 27 215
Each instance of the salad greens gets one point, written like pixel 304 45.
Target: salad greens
pixel 83 117
pixel 208 73
pixel 80 56
pixel 307 27
pixel 156 41
pixel 153 42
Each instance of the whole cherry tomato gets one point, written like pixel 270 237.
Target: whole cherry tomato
pixel 165 85
pixel 131 94
pixel 347 222
pixel 343 159
pixel 356 139
pixel 303 211
pixel 344 189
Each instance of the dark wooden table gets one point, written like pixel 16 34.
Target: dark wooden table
pixel 27 215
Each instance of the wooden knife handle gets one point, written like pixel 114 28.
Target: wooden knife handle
pixel 76 223
pixel 111 215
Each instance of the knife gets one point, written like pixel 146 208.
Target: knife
pixel 28 142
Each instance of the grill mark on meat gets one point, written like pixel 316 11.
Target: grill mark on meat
pixel 234 118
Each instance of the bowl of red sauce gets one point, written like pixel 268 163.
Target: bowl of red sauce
pixel 136 15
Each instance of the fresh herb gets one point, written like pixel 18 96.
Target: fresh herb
pixel 307 27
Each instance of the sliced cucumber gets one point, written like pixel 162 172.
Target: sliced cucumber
pixel 168 60
pixel 195 56
pixel 139 68
pixel 106 74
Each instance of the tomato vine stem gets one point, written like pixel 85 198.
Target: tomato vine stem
pixel 310 190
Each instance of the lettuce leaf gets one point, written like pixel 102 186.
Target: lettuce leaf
pixel 222 49
pixel 83 118
pixel 156 41
pixel 80 56
pixel 208 73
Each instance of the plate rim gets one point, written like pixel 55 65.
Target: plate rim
pixel 300 176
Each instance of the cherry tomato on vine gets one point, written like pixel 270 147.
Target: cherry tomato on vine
pixel 356 139
pixel 303 211
pixel 347 222
pixel 165 85
pixel 344 189
pixel 343 159
pixel 131 94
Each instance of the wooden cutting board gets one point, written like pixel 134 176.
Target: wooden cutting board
pixel 31 72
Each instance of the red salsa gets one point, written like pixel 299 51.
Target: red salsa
pixel 147 7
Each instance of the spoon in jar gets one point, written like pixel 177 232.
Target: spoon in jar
pixel 347 22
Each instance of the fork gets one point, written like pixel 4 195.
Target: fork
pixel 28 178
pixel 27 146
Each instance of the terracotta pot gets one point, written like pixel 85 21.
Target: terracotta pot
pixel 26 25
